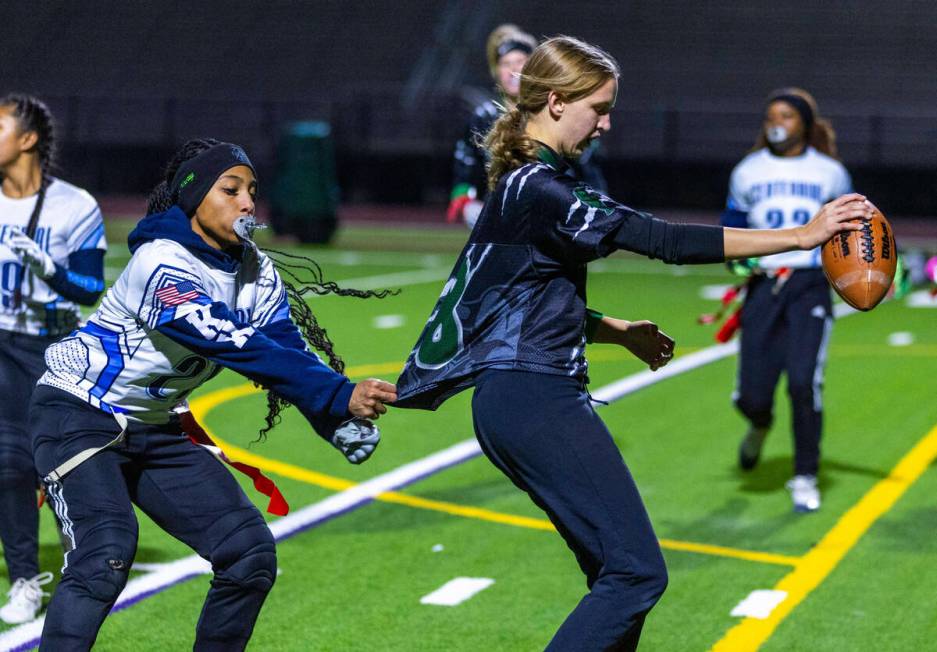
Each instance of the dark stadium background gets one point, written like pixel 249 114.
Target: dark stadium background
pixel 129 81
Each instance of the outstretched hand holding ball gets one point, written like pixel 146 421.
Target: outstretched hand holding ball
pixel 860 263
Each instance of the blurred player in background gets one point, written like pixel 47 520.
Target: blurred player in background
pixel 51 260
pixel 511 322
pixel 196 296
pixel 507 50
pixel 787 315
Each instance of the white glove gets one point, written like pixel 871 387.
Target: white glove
pixel 356 439
pixel 31 254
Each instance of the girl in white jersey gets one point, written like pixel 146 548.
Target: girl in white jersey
pixel 787 315
pixel 196 296
pixel 51 259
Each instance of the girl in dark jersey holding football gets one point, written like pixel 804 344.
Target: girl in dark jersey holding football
pixel 511 322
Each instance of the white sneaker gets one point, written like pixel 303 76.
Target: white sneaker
pixel 804 493
pixel 25 599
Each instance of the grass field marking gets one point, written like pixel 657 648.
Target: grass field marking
pixel 202 405
pixel 816 565
pixel 26 637
pixel 456 591
pixel 735 553
pixel 614 391
pixel 629 384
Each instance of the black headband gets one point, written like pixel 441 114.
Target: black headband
pixel 510 45
pixel 800 105
pixel 195 177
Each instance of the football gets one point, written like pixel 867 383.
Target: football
pixel 860 265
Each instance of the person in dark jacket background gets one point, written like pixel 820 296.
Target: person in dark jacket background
pixel 507 50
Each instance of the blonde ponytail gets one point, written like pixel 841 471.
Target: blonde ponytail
pixel 508 145
pixel 564 65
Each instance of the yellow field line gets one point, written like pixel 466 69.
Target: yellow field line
pixel 204 404
pixel 737 553
pixel 817 564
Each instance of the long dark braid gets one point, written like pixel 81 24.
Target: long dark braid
pixel 300 276
pixel 32 115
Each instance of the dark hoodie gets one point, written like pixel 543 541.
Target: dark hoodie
pixel 177 226
pixel 274 355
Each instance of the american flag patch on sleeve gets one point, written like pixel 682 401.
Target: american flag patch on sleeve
pixel 177 294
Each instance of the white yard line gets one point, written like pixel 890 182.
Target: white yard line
pixel 457 591
pixel 759 604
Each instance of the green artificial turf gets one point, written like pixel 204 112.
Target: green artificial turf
pixel 355 582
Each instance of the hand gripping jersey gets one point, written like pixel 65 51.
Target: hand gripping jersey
pixel 516 298
pixel 778 192
pixel 70 221
pixel 175 316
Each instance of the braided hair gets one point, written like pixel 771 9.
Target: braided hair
pixel 32 114
pixel 161 198
pixel 301 276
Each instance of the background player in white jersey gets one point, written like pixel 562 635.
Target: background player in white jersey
pixel 787 315
pixel 196 296
pixel 51 259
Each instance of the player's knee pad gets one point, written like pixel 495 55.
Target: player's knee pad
pixel 104 574
pixel 247 557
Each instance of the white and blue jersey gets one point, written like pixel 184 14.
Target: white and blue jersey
pixel 779 192
pixel 179 312
pixel 70 229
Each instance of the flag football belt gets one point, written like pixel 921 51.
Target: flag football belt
pixel 197 435
pixel 69 465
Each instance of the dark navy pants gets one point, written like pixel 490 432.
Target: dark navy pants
pixel 786 330
pixel 181 486
pixel 21 363
pixel 543 433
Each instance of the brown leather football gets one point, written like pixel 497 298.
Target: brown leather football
pixel 860 265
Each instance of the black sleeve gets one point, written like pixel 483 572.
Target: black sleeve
pixel 672 243
pixel 83 280
pixel 580 224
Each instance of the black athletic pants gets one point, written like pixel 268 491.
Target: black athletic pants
pixel 181 486
pixel 22 361
pixel 542 432
pixel 786 329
